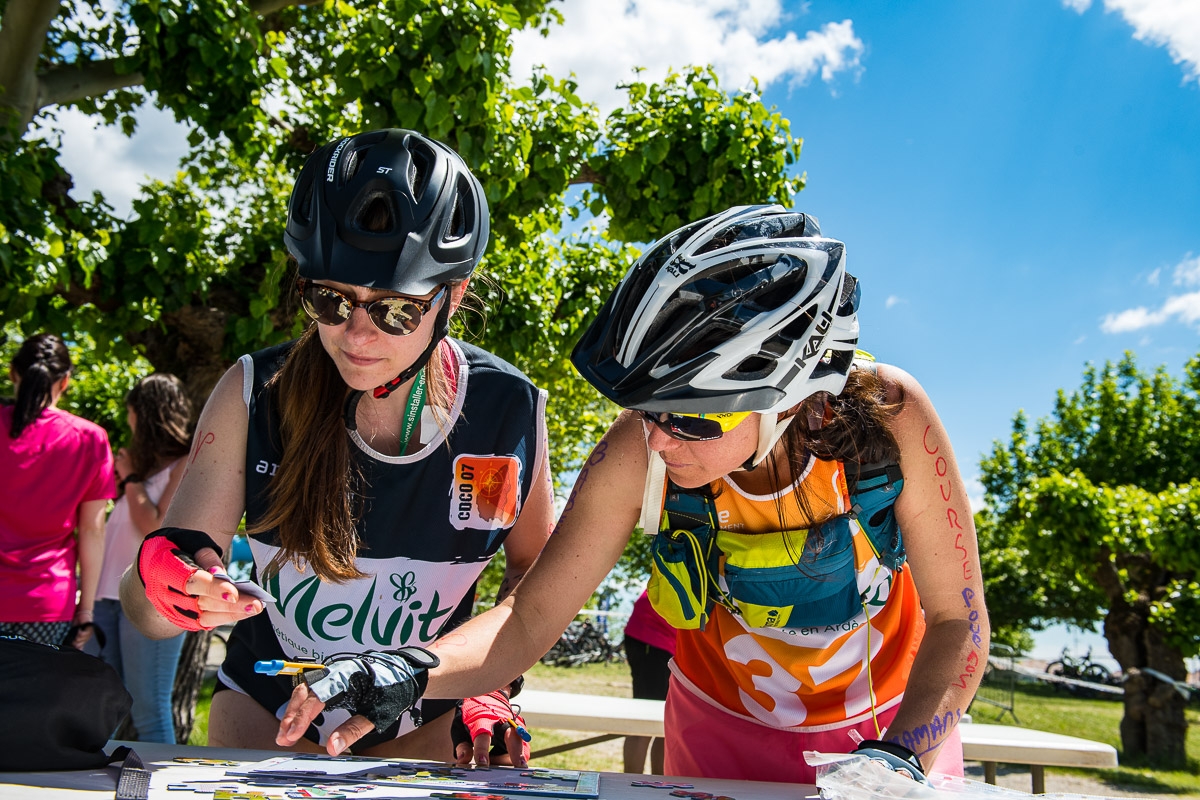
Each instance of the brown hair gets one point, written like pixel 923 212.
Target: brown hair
pixel 853 427
pixel 41 362
pixel 163 416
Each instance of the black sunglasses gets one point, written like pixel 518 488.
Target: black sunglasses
pixel 398 315
pixel 688 428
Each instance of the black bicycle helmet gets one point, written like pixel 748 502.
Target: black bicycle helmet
pixel 436 215
pixel 748 310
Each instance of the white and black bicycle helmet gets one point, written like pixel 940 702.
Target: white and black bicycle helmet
pixel 436 226
pixel 748 310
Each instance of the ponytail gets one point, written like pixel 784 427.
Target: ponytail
pixel 40 363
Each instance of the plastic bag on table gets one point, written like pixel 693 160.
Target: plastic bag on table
pixel 841 776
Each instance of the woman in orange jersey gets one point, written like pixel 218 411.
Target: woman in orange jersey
pixel 815 546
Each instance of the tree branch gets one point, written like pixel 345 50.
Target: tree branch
pixel 264 7
pixel 586 175
pixel 22 35
pixel 72 82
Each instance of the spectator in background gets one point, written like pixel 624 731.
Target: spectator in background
pixel 649 645
pixel 56 471
pixel 150 470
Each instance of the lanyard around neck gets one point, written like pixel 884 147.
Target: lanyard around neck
pixel 412 410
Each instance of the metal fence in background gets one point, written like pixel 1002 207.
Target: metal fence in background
pixel 999 685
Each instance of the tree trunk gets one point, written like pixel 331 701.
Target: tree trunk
pixel 188 678
pixel 1154 726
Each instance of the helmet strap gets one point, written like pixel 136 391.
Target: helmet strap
pixel 770 430
pixel 441 326
pixel 652 494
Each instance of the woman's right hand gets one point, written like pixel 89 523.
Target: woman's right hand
pixel 186 583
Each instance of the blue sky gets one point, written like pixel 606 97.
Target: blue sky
pixel 1018 182
pixel 1007 177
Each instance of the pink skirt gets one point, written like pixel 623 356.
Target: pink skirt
pixel 703 741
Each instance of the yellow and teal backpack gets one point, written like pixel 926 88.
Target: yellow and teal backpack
pixel 780 579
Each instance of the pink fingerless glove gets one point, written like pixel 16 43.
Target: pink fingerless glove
pixel 166 560
pixel 490 714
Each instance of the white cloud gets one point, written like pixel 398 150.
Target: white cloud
pixel 103 158
pixel 894 300
pixel 1183 308
pixel 1080 339
pixel 1187 272
pixel 1152 278
pixel 1132 319
pixel 1173 24
pixel 602 41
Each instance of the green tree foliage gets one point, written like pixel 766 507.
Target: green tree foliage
pixel 1096 516
pixel 197 275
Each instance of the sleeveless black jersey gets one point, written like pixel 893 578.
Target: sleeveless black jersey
pixel 431 522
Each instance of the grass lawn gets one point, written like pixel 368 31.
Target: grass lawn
pixel 1041 707
pixel 1038 707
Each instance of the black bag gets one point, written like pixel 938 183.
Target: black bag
pixel 60 705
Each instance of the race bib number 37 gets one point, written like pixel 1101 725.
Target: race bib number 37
pixel 486 493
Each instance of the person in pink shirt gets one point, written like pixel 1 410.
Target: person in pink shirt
pixel 649 645
pixel 57 474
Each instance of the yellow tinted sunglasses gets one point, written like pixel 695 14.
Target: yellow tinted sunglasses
pixel 695 427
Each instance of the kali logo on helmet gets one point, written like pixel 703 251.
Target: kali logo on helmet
pixel 815 344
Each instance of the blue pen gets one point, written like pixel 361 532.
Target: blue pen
pixel 278 667
pixel 524 734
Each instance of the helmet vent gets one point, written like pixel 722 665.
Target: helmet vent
pixel 797 327
pixel 754 368
pixel 458 219
pixel 722 239
pixel 350 166
pixel 712 336
pixel 672 315
pixel 302 211
pixel 375 215
pixel 418 169
pixel 834 362
pixel 777 284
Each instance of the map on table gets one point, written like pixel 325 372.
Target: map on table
pixel 314 770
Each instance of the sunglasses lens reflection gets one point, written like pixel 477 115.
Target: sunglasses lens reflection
pixel 688 429
pixel 325 305
pixel 398 316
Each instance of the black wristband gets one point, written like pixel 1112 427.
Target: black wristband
pixel 132 477
pixel 187 543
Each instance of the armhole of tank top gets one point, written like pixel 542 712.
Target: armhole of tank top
pixel 247 381
pixel 542 434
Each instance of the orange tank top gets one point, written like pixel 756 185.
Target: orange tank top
pixel 804 678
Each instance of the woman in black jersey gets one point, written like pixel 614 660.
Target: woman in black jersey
pixel 379 464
